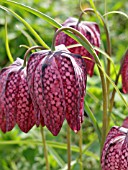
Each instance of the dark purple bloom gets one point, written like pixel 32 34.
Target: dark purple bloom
pixel 124 73
pixel 15 102
pixel 90 30
pixel 57 82
pixel 115 150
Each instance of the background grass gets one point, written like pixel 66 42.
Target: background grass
pixel 19 151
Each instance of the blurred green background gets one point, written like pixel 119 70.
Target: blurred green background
pixel 19 151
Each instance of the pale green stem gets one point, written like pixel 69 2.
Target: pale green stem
pixel 27 52
pixel 108 49
pixel 105 86
pixel 45 148
pixel 80 148
pixel 7 43
pixel 69 147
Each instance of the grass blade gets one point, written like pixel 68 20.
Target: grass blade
pixel 7 43
pixel 93 120
pixel 117 12
pixel 28 26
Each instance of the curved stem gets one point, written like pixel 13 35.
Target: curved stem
pixel 80 148
pixel 7 43
pixel 69 147
pixel 72 30
pixel 45 149
pixel 27 52
pixel 108 49
pixel 91 50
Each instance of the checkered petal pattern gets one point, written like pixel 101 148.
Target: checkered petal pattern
pixel 57 86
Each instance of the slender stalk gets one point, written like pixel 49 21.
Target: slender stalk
pixel 7 43
pixel 80 148
pixel 27 52
pixel 104 86
pixel 69 147
pixel 45 149
pixel 108 49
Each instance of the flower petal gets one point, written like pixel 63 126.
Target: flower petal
pixel 53 95
pixel 73 84
pixel 124 73
pixel 33 62
pixel 25 116
pixel 8 90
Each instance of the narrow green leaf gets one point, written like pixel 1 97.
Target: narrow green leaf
pixel 56 156
pixel 93 120
pixel 7 43
pixel 33 11
pixel 34 33
pixel 31 41
pixel 117 12
pixel 91 154
pixel 86 43
pixel 113 84
pixel 107 56
pixel 95 10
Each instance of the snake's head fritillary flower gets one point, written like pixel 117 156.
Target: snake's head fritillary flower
pixel 15 102
pixel 115 150
pixel 124 73
pixel 57 82
pixel 90 30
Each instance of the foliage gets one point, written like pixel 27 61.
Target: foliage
pixel 24 151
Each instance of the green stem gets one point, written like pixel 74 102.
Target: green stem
pixel 7 43
pixel 45 148
pixel 69 147
pixel 108 49
pixel 80 147
pixel 27 52
pixel 105 85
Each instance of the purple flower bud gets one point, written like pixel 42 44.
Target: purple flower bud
pixel 90 30
pixel 15 102
pixel 124 73
pixel 115 150
pixel 57 82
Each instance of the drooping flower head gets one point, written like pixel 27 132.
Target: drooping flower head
pixel 90 30
pixel 57 82
pixel 115 150
pixel 124 73
pixel 15 102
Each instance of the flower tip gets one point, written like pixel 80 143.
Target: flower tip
pixel 125 123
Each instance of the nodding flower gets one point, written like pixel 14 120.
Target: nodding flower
pixel 15 101
pixel 57 83
pixel 115 150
